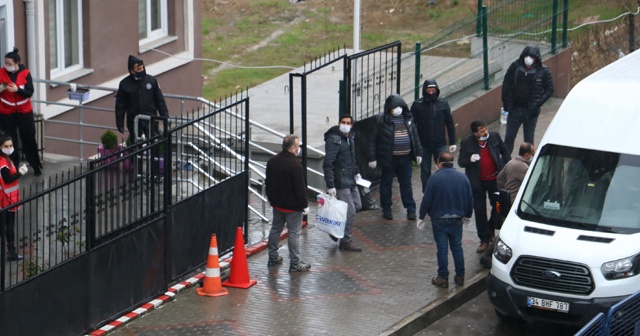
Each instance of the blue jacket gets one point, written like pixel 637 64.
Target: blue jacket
pixel 448 192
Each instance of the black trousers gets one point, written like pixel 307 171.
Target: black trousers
pixel 25 124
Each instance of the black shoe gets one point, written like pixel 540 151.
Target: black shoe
pixel 387 215
pixel 14 257
pixel 334 238
pixel 411 216
pixel 349 247
pixel 37 171
pixel 274 261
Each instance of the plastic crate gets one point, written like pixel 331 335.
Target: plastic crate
pixel 79 94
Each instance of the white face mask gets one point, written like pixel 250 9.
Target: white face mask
pixel 10 68
pixel 528 61
pixel 484 138
pixel 397 111
pixel 7 151
pixel 345 128
pixel 299 151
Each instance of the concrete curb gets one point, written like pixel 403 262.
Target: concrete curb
pixel 437 309
pixel 225 267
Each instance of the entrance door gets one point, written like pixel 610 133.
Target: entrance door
pixel 6 28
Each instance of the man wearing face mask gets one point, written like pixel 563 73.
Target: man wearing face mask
pixel 286 190
pixel 526 86
pixel 341 173
pixel 483 155
pixel 138 93
pixel 433 117
pixel 393 145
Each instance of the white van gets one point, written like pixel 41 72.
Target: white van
pixel 570 245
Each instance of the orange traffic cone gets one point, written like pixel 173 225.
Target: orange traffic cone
pixel 212 285
pixel 239 277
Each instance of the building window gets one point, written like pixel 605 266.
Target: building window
pixel 152 20
pixel 65 36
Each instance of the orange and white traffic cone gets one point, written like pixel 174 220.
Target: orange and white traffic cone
pixel 212 284
pixel 239 277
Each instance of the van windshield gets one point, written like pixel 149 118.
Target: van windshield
pixel 583 189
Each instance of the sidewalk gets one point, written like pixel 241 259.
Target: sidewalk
pixel 386 289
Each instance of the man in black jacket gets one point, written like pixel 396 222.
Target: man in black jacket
pixel 286 190
pixel 393 145
pixel 526 86
pixel 483 155
pixel 432 115
pixel 340 174
pixel 138 93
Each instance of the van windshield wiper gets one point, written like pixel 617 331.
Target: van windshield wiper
pixel 545 219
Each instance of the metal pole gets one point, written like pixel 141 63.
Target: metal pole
pixel 356 26
pixel 416 88
pixel 565 24
pixel 303 119
pixel 291 103
pixel 479 19
pixel 81 131
pixel 554 27
pixel 398 67
pixel 485 48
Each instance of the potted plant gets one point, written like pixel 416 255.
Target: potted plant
pixel 109 145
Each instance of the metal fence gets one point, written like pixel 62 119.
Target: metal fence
pixel 79 210
pixel 474 53
pixel 623 319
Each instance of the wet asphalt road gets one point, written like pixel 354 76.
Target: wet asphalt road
pixel 477 318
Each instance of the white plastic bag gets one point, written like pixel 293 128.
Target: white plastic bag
pixel 331 215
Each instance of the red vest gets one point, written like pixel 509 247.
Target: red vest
pixel 12 102
pixel 9 192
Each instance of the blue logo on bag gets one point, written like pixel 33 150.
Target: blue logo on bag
pixel 327 220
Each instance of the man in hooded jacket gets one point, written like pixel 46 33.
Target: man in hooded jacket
pixel 393 145
pixel 341 173
pixel 526 86
pixel 138 93
pixel 432 115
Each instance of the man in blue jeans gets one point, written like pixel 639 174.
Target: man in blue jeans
pixel 393 145
pixel 447 199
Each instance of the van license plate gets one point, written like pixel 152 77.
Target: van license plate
pixel 545 304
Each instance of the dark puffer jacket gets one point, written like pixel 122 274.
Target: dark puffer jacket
pixel 432 115
pixel 542 87
pixel 339 164
pixel 381 137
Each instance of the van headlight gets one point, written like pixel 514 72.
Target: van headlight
pixel 621 268
pixel 502 252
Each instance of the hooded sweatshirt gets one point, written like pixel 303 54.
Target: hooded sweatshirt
pixel 138 96
pixel 432 115
pixel 382 137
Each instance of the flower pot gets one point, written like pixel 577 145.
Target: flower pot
pixel 107 152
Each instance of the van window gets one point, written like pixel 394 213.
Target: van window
pixel 583 189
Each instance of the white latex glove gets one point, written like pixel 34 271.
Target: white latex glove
pixel 23 169
pixel 422 224
pixel 475 157
pixel 453 148
pixel 357 177
pixel 418 159
pixel 331 192
pixel 305 211
pixel 373 164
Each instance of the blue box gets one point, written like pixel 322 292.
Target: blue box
pixel 79 94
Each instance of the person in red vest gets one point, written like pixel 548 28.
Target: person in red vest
pixel 9 193
pixel 16 113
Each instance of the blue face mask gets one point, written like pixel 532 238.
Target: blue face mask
pixel 141 74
